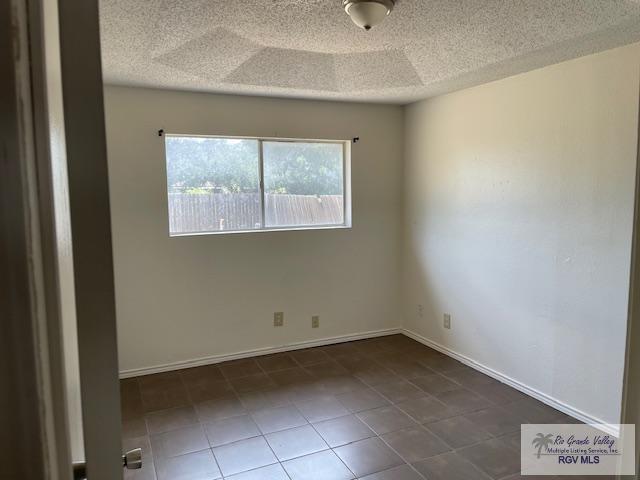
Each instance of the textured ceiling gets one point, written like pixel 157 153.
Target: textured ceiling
pixel 310 48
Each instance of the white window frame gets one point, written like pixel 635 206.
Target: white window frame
pixel 346 184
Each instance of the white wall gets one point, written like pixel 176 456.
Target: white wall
pixel 183 298
pixel 519 198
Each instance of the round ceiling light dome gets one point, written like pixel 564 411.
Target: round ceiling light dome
pixel 368 13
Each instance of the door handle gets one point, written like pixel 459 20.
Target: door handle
pixel 131 460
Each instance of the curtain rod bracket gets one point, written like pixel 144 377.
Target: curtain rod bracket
pixel 160 132
pixel 356 139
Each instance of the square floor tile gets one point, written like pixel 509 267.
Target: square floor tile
pixel 264 399
pixel 415 443
pixel 373 376
pixel 131 399
pixel 192 466
pixel 435 383
pixel 200 375
pixel 403 472
pixel 270 472
pixel 321 408
pixel 309 356
pixel 309 390
pixel 397 392
pixel 498 393
pixel 244 455
pixel 533 411
pixel 462 400
pixel 468 377
pixel 147 472
pixel 278 361
pixel 295 442
pixel 354 362
pixel 372 346
pixel 345 348
pixel 325 369
pixel 317 466
pixel 250 383
pixel 276 419
pixel 207 389
pixel 162 391
pixel 360 400
pixel 458 431
pixel 385 419
pixel 493 457
pixel 231 430
pixel 409 369
pixel 343 430
pixel 449 466
pixel 426 409
pixel 441 363
pixel 240 368
pixel 159 381
pixel 166 420
pixel 368 456
pixel 291 376
pixel 135 427
pixel 179 442
pixel 341 384
pixel 496 420
pixel 512 440
pixel 219 409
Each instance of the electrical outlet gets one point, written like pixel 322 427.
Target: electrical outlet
pixel 278 319
pixel 421 310
pixel 447 320
pixel 315 321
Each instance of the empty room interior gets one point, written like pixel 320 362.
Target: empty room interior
pixel 366 239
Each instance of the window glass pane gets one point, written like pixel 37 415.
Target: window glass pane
pixel 213 184
pixel 303 183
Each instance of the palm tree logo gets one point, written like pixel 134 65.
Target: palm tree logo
pixel 542 441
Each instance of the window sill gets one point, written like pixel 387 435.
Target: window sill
pixel 262 230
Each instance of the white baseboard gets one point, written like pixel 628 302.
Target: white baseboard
pixel 198 362
pixel 532 392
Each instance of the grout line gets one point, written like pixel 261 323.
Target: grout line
pixel 264 437
pixel 343 463
pixel 215 459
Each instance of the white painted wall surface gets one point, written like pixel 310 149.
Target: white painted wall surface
pixel 183 298
pixel 519 198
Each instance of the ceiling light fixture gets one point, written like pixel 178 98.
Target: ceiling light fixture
pixel 368 13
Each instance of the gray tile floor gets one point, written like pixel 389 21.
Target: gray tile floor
pixel 381 409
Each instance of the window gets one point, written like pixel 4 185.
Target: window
pixel 218 185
